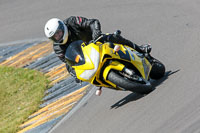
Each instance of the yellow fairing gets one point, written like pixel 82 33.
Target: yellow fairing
pixel 129 55
pixel 142 64
pixel 96 55
pixel 89 66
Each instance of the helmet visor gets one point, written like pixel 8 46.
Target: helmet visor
pixel 58 36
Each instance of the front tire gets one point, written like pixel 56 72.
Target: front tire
pixel 127 84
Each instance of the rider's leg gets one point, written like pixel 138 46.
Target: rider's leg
pixel 117 38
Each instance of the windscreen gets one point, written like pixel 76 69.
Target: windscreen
pixel 74 54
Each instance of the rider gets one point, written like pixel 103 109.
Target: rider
pixel 74 28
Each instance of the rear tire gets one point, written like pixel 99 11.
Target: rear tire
pixel 158 70
pixel 127 84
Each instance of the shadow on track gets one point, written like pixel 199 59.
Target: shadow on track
pixel 135 96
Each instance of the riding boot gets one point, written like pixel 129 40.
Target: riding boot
pixel 146 48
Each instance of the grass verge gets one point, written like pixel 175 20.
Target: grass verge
pixel 21 91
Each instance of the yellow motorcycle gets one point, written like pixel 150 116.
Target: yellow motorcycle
pixel 113 66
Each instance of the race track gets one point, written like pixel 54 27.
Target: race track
pixel 173 29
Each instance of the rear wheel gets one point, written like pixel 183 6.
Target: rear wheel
pixel 158 70
pixel 127 84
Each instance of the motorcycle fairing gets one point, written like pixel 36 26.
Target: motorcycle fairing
pixel 140 62
pixel 95 59
pixel 86 72
pixel 129 55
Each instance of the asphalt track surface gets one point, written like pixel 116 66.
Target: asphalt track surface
pixel 173 29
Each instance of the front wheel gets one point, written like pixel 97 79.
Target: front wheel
pixel 127 84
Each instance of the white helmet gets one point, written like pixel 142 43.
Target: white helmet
pixel 56 26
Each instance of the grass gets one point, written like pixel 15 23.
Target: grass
pixel 21 91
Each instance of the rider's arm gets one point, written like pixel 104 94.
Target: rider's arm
pixel 72 73
pixel 60 52
pixel 84 23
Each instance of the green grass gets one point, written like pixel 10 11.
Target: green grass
pixel 21 91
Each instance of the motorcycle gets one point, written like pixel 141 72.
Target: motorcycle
pixel 111 65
